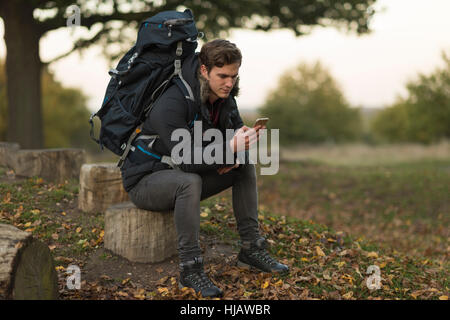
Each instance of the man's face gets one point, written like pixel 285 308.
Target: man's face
pixel 221 80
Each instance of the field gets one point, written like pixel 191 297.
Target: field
pixel 331 213
pixel 398 196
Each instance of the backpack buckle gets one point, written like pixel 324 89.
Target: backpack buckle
pixel 179 51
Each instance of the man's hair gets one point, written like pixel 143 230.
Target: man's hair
pixel 218 53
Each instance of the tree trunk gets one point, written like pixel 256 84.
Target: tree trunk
pixel 27 270
pixel 23 73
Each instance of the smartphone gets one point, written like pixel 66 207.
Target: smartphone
pixel 261 121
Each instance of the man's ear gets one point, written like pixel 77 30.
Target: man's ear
pixel 204 71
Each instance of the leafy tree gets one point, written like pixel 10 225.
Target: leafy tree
pixel 110 23
pixel 308 106
pixel 64 114
pixel 424 115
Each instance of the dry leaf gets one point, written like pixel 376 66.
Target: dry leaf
pixel 320 252
pixel 7 198
pixel 163 291
pixel 123 294
pixel 78 230
pixel 348 295
pixel 372 254
pixel 18 245
pixel 417 293
pixel 278 283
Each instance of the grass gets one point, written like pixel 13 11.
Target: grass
pixel 49 212
pixel 326 264
pixel 404 206
pixel 329 221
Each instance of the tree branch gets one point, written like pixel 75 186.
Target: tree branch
pixel 60 21
pixel 80 44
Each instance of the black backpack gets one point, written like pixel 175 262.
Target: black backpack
pixel 142 75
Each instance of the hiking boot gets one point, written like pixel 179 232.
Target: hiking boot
pixel 254 254
pixel 193 276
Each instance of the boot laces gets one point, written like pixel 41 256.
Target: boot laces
pixel 262 254
pixel 200 279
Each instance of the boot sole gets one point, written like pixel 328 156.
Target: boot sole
pixel 249 267
pixel 216 296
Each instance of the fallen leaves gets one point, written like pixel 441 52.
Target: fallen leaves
pixel 320 252
pixel 323 265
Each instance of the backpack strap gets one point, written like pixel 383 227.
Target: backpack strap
pixel 155 96
pixel 128 145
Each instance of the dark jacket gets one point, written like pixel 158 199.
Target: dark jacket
pixel 172 111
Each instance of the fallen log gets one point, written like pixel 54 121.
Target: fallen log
pixel 27 270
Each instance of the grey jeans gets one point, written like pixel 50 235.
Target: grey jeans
pixel 182 192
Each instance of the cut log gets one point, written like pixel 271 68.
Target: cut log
pixel 140 235
pixel 100 187
pixel 6 150
pixel 52 165
pixel 27 270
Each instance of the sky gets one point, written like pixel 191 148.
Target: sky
pixel 407 38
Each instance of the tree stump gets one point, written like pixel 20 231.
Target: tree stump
pixel 140 235
pixel 53 165
pixel 27 270
pixel 100 187
pixel 7 149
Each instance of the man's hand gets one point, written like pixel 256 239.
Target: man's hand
pixel 245 137
pixel 226 169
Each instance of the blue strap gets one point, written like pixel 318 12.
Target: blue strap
pixel 149 153
pixel 192 122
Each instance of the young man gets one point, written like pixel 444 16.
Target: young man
pixel 213 77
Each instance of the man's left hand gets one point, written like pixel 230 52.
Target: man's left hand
pixel 227 169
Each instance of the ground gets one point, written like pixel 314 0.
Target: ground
pixel 309 214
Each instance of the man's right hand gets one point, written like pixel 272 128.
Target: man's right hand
pixel 244 138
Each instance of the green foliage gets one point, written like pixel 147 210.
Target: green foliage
pixel 214 18
pixel 424 116
pixel 308 106
pixel 64 111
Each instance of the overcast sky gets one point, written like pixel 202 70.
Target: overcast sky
pixel 407 38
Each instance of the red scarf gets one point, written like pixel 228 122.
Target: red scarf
pixel 215 111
